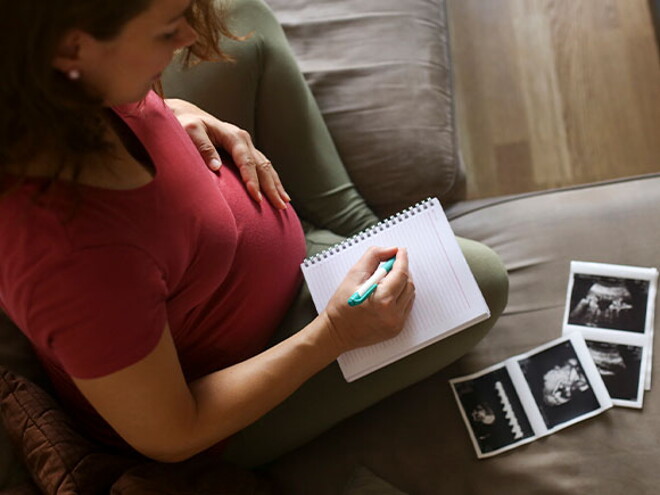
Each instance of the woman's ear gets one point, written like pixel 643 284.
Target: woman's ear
pixel 67 56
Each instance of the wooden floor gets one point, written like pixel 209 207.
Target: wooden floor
pixel 554 92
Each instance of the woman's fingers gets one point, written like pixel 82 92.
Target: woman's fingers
pixel 382 315
pixel 256 170
pixel 208 133
pixel 200 137
pixel 369 261
pixel 398 280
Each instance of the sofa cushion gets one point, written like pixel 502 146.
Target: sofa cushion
pixel 15 353
pixel 418 438
pixel 59 459
pixel 364 482
pixel 201 475
pixel 381 74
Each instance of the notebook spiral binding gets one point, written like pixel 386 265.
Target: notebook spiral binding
pixel 365 234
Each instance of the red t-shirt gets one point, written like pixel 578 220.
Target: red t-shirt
pixel 191 248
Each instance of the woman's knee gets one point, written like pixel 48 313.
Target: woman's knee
pixel 253 14
pixel 489 272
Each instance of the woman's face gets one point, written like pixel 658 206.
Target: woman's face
pixel 123 70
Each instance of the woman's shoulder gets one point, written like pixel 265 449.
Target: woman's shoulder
pixel 158 129
pixel 152 106
pixel 38 244
pixel 57 219
pixel 32 224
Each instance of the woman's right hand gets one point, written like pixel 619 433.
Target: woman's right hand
pixel 383 314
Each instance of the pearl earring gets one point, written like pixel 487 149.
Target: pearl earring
pixel 74 74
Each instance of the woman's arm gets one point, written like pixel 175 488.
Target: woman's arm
pixel 152 407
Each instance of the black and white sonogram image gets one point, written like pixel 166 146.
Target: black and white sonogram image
pixel 620 367
pixel 559 384
pixel 609 302
pixel 494 411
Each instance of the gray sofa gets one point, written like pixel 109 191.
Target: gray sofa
pixel 380 70
pixel 381 73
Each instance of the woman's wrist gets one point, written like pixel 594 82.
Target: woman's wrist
pixel 325 338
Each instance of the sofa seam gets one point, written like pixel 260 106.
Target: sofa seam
pixel 512 198
pixel 457 155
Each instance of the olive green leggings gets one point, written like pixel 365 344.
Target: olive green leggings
pixel 264 92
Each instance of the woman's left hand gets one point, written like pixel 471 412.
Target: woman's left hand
pixel 207 132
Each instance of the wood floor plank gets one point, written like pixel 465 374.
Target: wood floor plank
pixel 550 160
pixel 567 90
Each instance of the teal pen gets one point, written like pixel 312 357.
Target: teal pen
pixel 365 290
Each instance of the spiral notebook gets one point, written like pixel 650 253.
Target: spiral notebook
pixel 447 297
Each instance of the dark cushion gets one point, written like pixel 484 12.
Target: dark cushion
pixel 26 488
pixel 15 353
pixel 59 459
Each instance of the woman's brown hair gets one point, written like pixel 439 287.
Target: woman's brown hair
pixel 40 108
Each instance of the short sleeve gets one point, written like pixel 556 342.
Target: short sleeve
pixel 98 310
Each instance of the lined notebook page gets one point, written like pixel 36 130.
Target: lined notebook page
pixel 447 297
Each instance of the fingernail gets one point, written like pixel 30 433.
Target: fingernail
pixel 216 164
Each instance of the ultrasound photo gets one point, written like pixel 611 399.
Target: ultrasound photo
pixel 560 386
pixel 536 393
pixel 614 303
pixel 620 367
pixel 493 410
